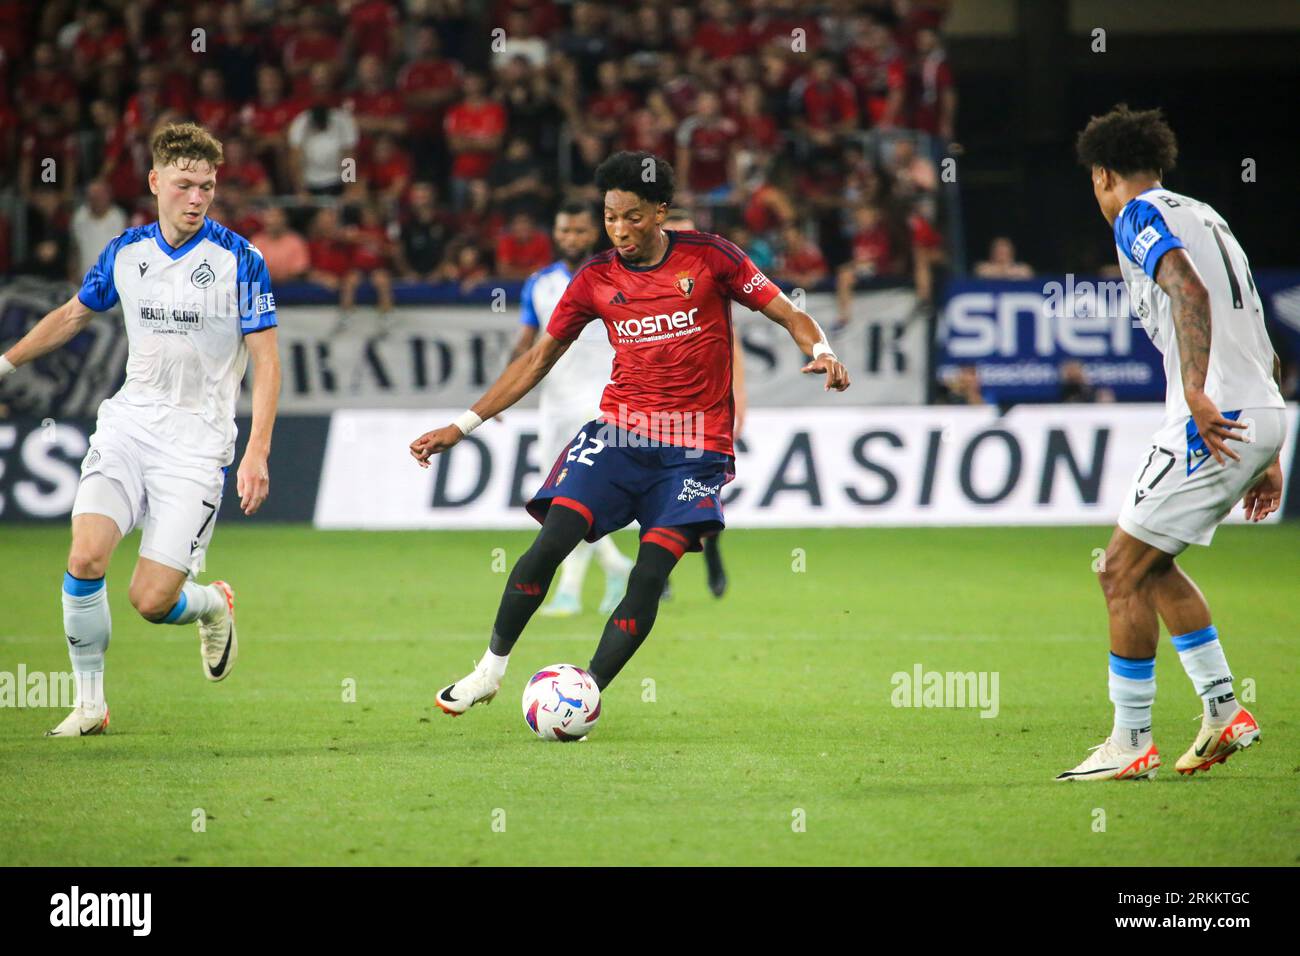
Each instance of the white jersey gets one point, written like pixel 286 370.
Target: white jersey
pixel 1240 373
pixel 574 385
pixel 186 311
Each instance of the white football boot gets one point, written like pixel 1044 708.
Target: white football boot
pixel 1110 761
pixel 81 724
pixel 217 645
pixel 1219 740
pixel 478 687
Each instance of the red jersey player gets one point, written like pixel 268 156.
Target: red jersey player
pixel 661 449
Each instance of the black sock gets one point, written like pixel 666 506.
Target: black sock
pixel 531 576
pixel 632 620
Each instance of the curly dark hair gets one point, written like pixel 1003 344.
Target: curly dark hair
pixel 641 173
pixel 1128 141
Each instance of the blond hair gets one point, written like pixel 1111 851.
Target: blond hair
pixel 176 143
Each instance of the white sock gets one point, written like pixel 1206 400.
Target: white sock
pixel 88 627
pixel 612 561
pixel 493 665
pixel 1133 692
pixel 573 570
pixel 1207 666
pixel 196 601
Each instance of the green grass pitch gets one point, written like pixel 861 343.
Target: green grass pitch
pixel 771 737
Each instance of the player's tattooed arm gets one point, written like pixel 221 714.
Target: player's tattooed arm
pixel 51 332
pixel 807 334
pixel 514 383
pixel 1190 307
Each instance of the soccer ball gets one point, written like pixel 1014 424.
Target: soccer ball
pixel 561 702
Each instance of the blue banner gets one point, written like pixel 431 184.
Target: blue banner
pixel 1020 333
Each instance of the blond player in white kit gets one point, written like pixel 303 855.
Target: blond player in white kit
pixel 570 397
pixel 197 303
pixel 1191 287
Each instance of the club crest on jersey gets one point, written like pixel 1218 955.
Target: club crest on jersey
pixel 685 284
pixel 203 276
pixel 563 472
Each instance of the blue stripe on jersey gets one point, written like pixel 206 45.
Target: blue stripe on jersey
pixel 184 247
pixel 1142 235
pixel 253 282
pixel 98 291
pixel 528 310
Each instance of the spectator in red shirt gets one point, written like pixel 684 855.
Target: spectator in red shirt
pixel 875 254
pixel 310 44
pixel 388 171
pixel 932 98
pixel 801 262
pixel 523 249
pixel 725 34
pixel 242 168
pixel 48 157
pixel 475 127
pixel 48 84
pixel 372 255
pixel 677 85
pixel 375 105
pixel 374 29
pixel 99 43
pixel 652 127
pixel 757 128
pixel 478 221
pixel 607 108
pixel 232 209
pixel 212 108
pixel 265 123
pixel 878 72
pixel 704 143
pixel 427 84
pixel 772 23
pixel 331 261
pixel 122 161
pixel 465 267
pixel 824 105
pixel 150 99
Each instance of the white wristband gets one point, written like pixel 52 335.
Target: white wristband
pixel 820 349
pixel 6 366
pixel 467 421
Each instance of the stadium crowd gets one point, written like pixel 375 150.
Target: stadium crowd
pixel 382 142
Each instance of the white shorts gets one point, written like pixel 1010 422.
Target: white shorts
pixel 175 503
pixel 1180 493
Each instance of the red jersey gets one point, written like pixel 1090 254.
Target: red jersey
pixel 670 325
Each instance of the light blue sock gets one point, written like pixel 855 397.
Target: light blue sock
pixel 88 627
pixel 1207 666
pixel 196 601
pixel 1133 692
